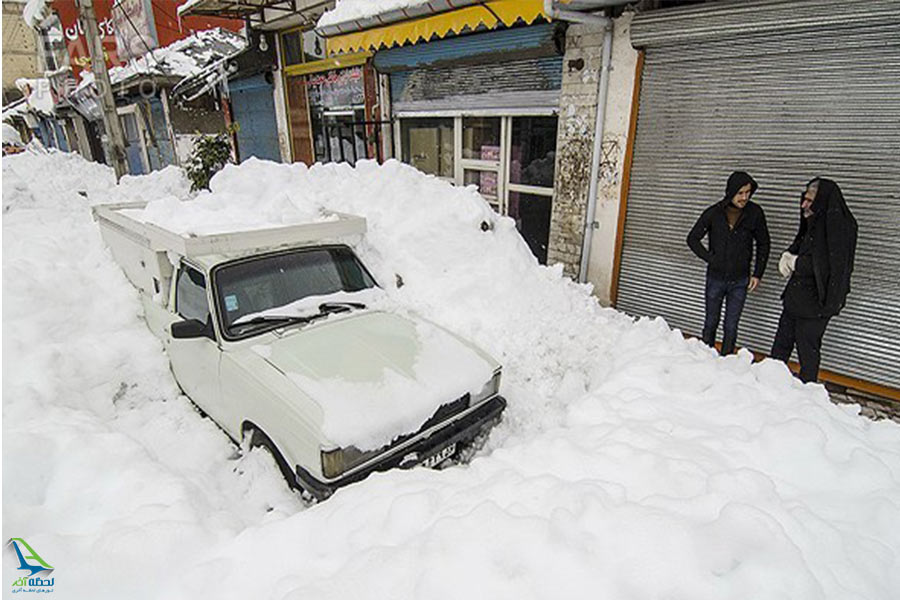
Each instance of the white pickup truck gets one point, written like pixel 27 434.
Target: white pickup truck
pixel 272 333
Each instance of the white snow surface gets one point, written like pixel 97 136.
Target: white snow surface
pixel 37 94
pixel 350 10
pixel 631 463
pixel 11 135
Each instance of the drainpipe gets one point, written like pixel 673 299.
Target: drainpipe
pixel 552 9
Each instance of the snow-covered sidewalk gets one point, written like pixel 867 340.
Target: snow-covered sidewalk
pixel 632 463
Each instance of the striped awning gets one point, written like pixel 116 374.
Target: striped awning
pixel 469 18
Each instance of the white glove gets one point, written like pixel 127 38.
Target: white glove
pixel 787 264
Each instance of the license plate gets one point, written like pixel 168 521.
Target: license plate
pixel 436 459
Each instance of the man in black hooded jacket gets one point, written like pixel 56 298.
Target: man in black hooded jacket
pixel 733 224
pixel 819 263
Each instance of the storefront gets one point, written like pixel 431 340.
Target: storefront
pixel 817 95
pixel 482 109
pixel 330 103
pixel 509 158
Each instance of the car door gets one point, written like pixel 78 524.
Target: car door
pixel 195 361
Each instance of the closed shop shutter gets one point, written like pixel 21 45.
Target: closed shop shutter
pixel 786 91
pixel 509 69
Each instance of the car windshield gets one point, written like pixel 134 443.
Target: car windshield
pixel 277 280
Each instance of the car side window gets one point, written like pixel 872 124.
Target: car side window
pixel 190 295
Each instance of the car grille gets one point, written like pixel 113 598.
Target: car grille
pixel 446 411
pixel 443 413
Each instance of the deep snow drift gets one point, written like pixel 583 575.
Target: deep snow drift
pixel 631 464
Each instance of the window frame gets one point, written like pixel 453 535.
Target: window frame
pixel 183 268
pixel 501 166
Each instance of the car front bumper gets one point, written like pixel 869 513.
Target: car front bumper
pixel 462 430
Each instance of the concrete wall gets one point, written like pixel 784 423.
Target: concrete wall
pixel 19 49
pixel 615 140
pixel 577 115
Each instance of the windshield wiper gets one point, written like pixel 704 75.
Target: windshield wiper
pixel 286 319
pixel 325 309
pixel 333 307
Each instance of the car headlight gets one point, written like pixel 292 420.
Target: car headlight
pixel 338 461
pixel 491 388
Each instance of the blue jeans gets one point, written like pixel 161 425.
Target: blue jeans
pixel 734 293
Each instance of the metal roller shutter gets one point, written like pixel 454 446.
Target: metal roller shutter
pixel 786 91
pixel 513 68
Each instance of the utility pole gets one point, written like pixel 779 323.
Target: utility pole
pixel 114 140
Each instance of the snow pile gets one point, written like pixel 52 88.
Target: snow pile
pixel 632 463
pixel 351 10
pixel 225 208
pixel 109 474
pixel 11 135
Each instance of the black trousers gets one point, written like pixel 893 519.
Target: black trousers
pixel 806 334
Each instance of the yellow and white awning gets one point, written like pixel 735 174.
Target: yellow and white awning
pixel 488 14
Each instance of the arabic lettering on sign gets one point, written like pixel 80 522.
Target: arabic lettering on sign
pixel 33 584
pixel 76 30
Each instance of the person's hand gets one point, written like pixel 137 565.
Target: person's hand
pixel 786 264
pixel 754 283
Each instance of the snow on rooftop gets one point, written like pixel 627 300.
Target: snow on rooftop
pixel 350 10
pixel 631 462
pixel 38 95
pixel 184 57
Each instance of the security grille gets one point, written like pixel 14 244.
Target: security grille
pixel 786 91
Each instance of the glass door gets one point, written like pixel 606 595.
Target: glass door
pixel 531 163
pixel 481 153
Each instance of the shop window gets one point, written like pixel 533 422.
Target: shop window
pixel 511 159
pixel 291 48
pixel 533 151
pixel 532 215
pixel 481 138
pixel 487 182
pixel 427 144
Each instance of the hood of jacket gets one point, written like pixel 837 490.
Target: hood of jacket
pixel 736 181
pixel 834 232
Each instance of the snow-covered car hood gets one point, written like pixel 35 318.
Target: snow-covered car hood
pixel 377 375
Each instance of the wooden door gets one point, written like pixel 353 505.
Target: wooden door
pixel 298 120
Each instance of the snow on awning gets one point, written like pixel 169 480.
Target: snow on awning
pixel 222 8
pixel 422 21
pixel 179 60
pixel 38 94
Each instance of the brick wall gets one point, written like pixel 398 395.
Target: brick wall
pixel 575 137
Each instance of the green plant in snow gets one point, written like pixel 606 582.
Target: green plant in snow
pixel 209 155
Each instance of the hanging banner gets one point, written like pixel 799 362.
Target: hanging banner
pixel 134 29
pixel 76 42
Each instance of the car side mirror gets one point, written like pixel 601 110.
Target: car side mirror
pixel 192 328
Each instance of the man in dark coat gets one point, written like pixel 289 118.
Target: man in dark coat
pixel 819 263
pixel 733 224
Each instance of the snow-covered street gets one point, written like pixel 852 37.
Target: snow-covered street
pixel 631 463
